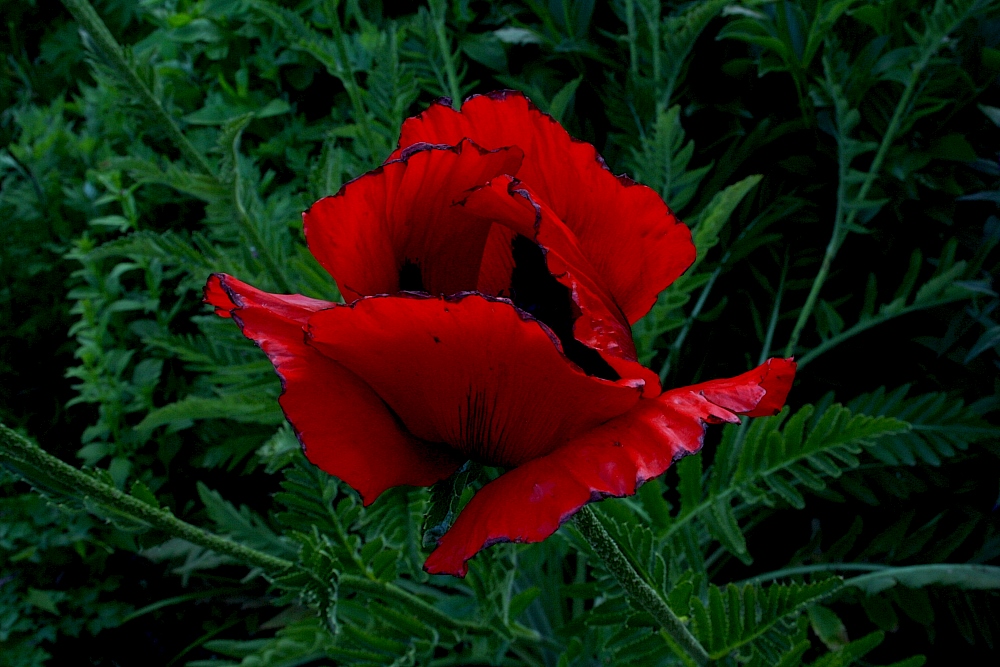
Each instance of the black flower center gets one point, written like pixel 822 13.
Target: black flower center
pixel 535 291
pixel 410 277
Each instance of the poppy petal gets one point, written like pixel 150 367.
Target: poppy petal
pixel 635 242
pixel 600 323
pixel 469 371
pixel 343 425
pixel 394 228
pixel 528 503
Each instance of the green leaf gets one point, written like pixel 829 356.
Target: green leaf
pixel 742 616
pixel 714 217
pixel 255 409
pixel 560 101
pixel 968 576
pixel 242 524
pixel 45 600
pixel 828 627
pixel 141 491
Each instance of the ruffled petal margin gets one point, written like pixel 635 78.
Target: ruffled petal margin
pixel 529 503
pixel 344 427
pixel 635 242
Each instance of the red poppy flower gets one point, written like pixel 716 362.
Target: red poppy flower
pixel 492 268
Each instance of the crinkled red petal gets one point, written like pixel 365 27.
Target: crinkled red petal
pixel 529 503
pixel 401 214
pixel 343 425
pixel 600 323
pixel 633 240
pixel 469 371
pixel 760 392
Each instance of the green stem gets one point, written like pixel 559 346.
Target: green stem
pixel 19 450
pixel 438 11
pixel 812 569
pixel 842 224
pixel 345 73
pixel 257 242
pixel 22 453
pixel 168 602
pixel 675 347
pixel 765 352
pixel 633 46
pixel 391 592
pixel 772 324
pixel 836 239
pixel 653 26
pixel 87 16
pixel 637 589
pixel 863 325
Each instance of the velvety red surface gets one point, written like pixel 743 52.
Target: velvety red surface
pixel 344 426
pixel 444 352
pixel 635 242
pixel 529 503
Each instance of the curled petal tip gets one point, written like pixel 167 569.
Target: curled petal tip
pixel 776 381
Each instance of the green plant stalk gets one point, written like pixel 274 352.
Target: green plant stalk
pixel 834 341
pixel 637 589
pixel 772 324
pixel 633 46
pixel 764 354
pixel 87 16
pixel 874 571
pixel 253 234
pixel 425 610
pixel 725 494
pixel 438 10
pixel 17 449
pixel 346 76
pixel 653 25
pixel 842 224
pixel 836 239
pixel 675 347
pixel 812 569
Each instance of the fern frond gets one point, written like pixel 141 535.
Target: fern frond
pixel 940 425
pixel 737 616
pixel 778 455
pixel 243 525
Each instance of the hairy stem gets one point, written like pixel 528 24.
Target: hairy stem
pixel 637 589
pixel 21 452
pixel 39 466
